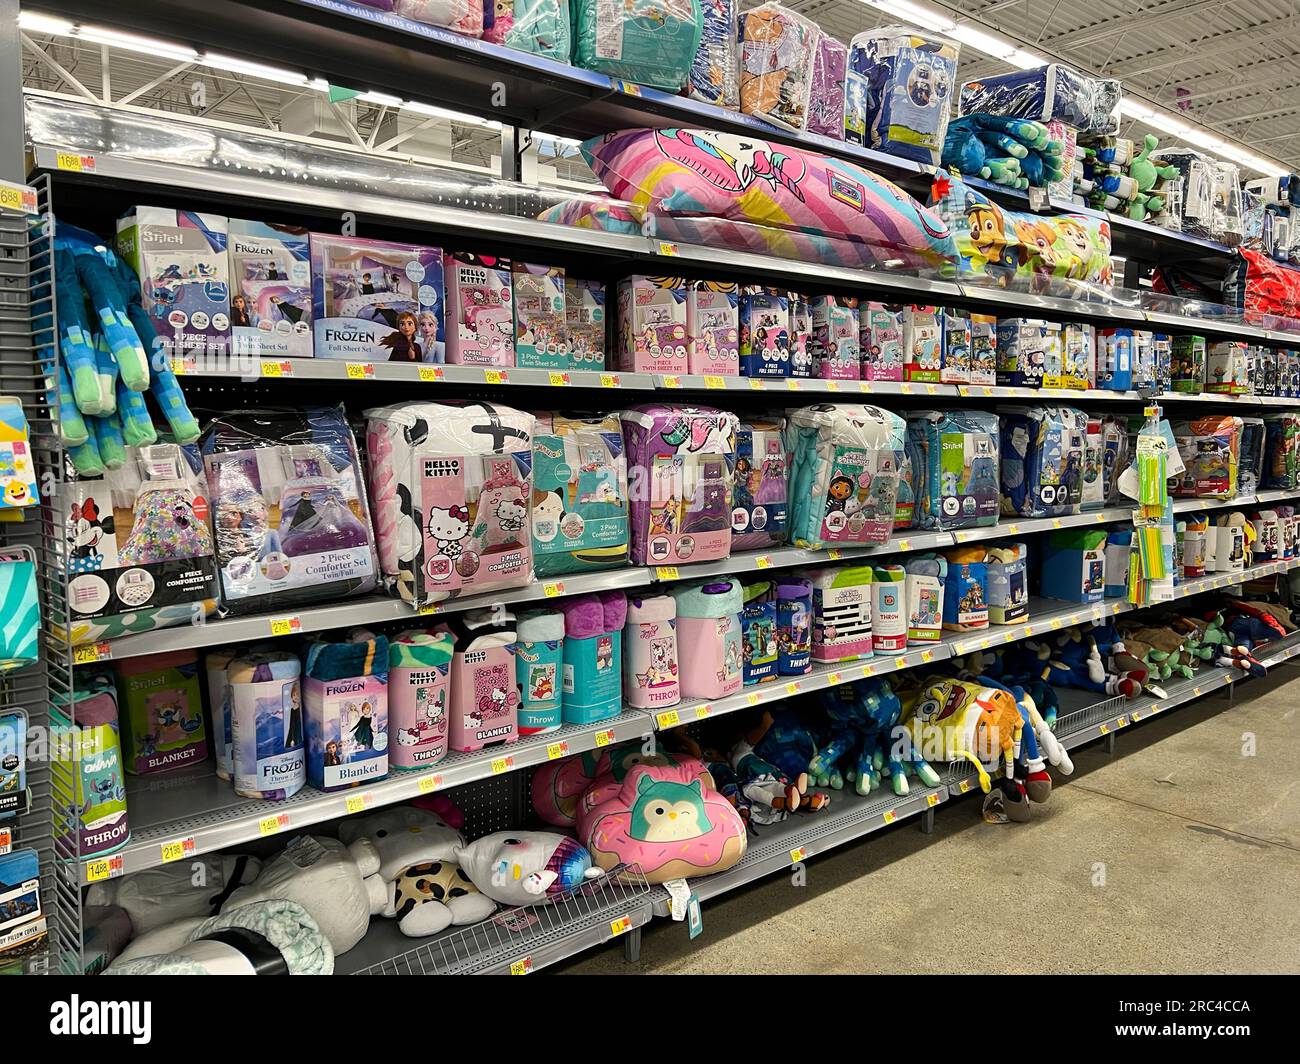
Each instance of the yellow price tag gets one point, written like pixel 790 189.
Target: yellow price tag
pixel 559 380
pixel 357 803
pixel 832 386
pixel 1101 518
pixel 1136 716
pixel 1104 729
pixel 1122 722
pixel 620 926
pixel 430 374
pixel 669 718
pixel 604 738
pixel 964 786
pixel 832 678
pixel 360 371
pixel 834 554
pixel 177 849
pixel 904 544
pixel 890 816
pixel 496 376
pixel 712 380
pixel 1196 692
pixel 74 162
pixel 429 784
pixel 666 572
pixel 557 750
pixel 752 698
pixel 868 670
pixel 103 868
pixel 91 653
pixel 553 589
pixel 667 249
pixel 1056 522
pixel 1028 630
pixel 521 967
pixel 792 688
pixel 20 198
pixel 905 388
pixel 703 711
pixel 927 656
pixel 285 626
pixel 430 608
pixel 792 384
pixel 1056 623
pixel 933 389
pixel 931 800
pixel 672 382
pixel 609 380
pixel 798 855
pixel 864 386
pixel 502 764
pixel 757 384
pixel 763 561
pixel 272 825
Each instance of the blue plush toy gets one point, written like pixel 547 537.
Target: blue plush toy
pixel 1015 152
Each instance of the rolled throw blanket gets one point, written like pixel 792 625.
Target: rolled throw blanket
pixel 265 938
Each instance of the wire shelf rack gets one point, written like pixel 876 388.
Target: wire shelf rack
pixel 520 940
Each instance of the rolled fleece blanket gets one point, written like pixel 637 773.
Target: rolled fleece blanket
pixel 267 725
pixel 265 938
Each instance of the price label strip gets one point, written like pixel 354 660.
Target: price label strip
pixel 177 849
pixel 102 868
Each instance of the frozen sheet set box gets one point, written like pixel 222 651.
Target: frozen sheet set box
pixel 270 298
pixel 180 258
pixel 375 301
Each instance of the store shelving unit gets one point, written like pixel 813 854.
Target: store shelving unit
pixel 178 815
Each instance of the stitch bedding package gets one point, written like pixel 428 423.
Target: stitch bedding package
pixel 500 485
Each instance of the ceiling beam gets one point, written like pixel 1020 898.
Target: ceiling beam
pixel 1133 23
pixel 1278 112
pixel 1244 87
pixel 1198 50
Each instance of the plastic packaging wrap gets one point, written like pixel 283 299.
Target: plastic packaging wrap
pixel 289 513
pixel 1048 93
pixel 1211 195
pixel 542 27
pixel 777 49
pixel 826 105
pixel 900 81
pixel 463 16
pixel 651 42
pixel 713 73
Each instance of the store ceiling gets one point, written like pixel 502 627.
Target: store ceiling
pixel 1232 65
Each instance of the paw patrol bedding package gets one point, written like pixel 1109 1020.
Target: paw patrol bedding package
pixel 451 489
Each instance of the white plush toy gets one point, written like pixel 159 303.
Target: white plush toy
pixel 192 890
pixel 526 867
pixel 338 885
pixel 424 890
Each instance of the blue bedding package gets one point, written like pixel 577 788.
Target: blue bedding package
pixel 1042 460
pixel 897 91
pixel 1045 94
pixel 954 459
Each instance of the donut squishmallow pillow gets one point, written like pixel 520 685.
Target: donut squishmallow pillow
pixel 696 172
pixel 668 822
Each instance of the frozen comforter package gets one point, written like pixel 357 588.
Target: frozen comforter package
pixel 451 488
pixel 289 515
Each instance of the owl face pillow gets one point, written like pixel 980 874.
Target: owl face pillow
pixel 526 867
pixel 667 821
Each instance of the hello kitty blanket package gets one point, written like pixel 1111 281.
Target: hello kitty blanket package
pixel 139 549
pixel 580 501
pixel 844 469
pixel 289 514
pixel 686 456
pixel 376 301
pixel 450 486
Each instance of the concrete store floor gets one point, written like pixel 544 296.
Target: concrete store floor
pixel 1177 854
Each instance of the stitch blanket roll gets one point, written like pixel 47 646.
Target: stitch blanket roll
pixel 1043 450
pixel 289 508
pixel 844 467
pixel 686 456
pixel 954 468
pixel 690 173
pixel 451 488
pixel 904 79
pixel 579 506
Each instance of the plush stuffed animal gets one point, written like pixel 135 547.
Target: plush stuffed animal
pixel 1016 152
pixel 520 868
pixel 417 855
pixel 338 885
pixel 956 720
pixel 193 889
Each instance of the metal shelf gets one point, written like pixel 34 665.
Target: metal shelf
pixel 850 816
pixel 201 813
pixel 514 941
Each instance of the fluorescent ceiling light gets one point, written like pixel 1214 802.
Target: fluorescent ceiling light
pixel 1131 108
pixel 451 116
pixel 254 70
pixel 1025 60
pixel 33 22
pixel 133 43
pixel 925 17
pixel 997 47
pixel 381 98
